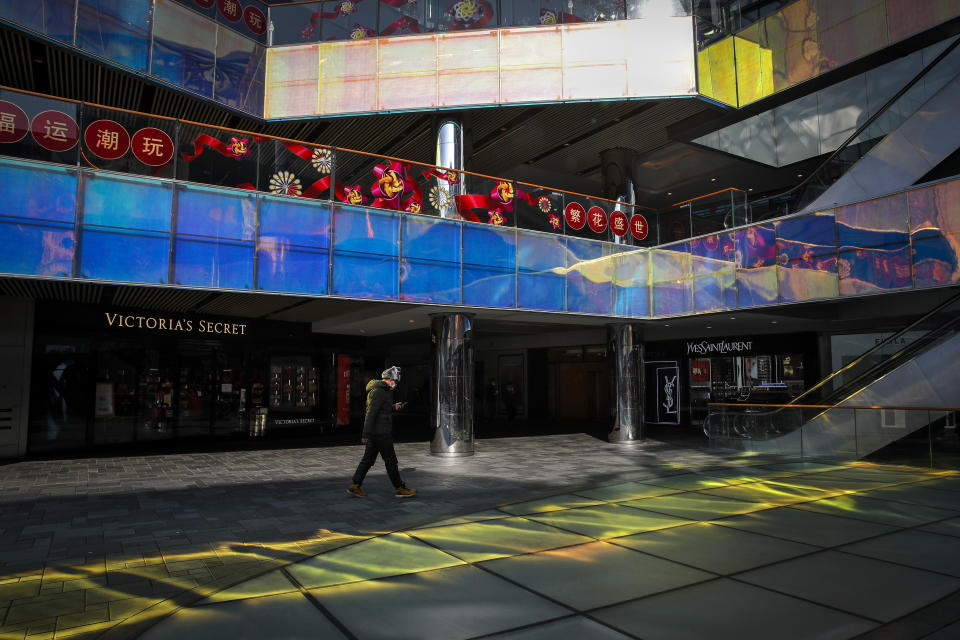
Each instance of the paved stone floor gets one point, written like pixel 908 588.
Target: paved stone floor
pixel 552 536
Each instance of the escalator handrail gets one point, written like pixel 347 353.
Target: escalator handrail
pixel 869 121
pixel 883 343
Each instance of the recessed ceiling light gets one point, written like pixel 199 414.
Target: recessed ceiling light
pixel 411 322
pixel 666 325
pixel 669 193
pixel 750 189
pixel 773 322
pixel 799 175
pixel 732 318
pixel 713 179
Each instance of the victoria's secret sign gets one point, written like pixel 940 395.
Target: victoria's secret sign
pixel 122 321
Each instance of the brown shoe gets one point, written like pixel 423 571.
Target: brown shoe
pixel 355 490
pixel 403 492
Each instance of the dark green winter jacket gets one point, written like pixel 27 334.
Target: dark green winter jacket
pixel 379 418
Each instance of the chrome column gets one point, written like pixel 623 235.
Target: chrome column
pixel 453 389
pixel 450 156
pixel 626 372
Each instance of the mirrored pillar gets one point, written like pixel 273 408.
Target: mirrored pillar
pixel 450 156
pixel 626 370
pixel 453 389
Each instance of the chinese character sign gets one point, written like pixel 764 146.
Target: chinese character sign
pixel 14 123
pixel 55 131
pixel 576 215
pixel 152 147
pixel 106 139
pixel 230 9
pixel 618 223
pixel 597 219
pixel 255 20
pixel 639 227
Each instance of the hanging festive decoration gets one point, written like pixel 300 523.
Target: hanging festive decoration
pixel 322 160
pixel 554 221
pixel 360 32
pixel 239 147
pixel 395 188
pixel 549 16
pixel 439 198
pixel 544 203
pixel 470 14
pixel 496 218
pixel 285 183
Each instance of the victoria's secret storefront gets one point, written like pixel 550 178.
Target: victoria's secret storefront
pixel 105 376
pixel 682 377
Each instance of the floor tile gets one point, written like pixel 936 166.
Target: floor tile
pixel 920 549
pixel 446 604
pixel 626 491
pixel 824 482
pixel 690 482
pixel 877 475
pixel 268 584
pixel 806 526
pixel 575 627
pixel 947 483
pixel 496 538
pixel 747 474
pixel 769 492
pixel 714 548
pixel 555 503
pixel 288 615
pixel 731 610
pixel 802 467
pixel 379 557
pixel 920 494
pixel 949 527
pixel 865 507
pixel 695 505
pixel 594 575
pixel 608 521
pixel 951 632
pixel 862 586
pixel 491 514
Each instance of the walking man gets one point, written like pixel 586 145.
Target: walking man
pixel 378 434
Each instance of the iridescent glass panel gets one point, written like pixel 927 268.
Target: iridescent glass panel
pixel 293 246
pixel 874 243
pixel 366 250
pixel 541 266
pixel 489 266
pixel 115 29
pixel 240 72
pixel 935 234
pixel 714 272
pixel 807 257
pixel 589 276
pixel 184 46
pixel 630 283
pixel 671 280
pixel 430 264
pixel 756 253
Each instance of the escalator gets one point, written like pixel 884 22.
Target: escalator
pixel 862 168
pixel 913 374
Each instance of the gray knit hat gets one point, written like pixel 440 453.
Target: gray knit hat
pixel 392 373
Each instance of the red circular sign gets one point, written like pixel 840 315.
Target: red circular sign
pixel 638 226
pixel 231 10
pixel 152 147
pixel 55 130
pixel 206 4
pixel 597 219
pixel 14 123
pixel 618 223
pixel 106 139
pixel 255 20
pixel 576 215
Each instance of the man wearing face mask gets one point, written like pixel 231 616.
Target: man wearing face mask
pixel 378 434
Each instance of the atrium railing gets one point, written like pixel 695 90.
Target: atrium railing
pixel 926 434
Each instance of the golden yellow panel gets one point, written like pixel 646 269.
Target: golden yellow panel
pixel 660 57
pixel 749 77
pixel 717 63
pixel 292 81
pixel 408 72
pixel 348 76
pixel 594 60
pixel 530 64
pixel 469 68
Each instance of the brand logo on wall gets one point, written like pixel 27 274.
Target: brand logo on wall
pixel 122 321
pixel 704 347
pixel 668 392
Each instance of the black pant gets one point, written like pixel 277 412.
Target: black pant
pixel 384 446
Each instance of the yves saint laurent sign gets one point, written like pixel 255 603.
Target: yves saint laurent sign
pixel 719 347
pixel 122 321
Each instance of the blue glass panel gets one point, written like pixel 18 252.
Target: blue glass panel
pixel 589 276
pixel 631 291
pixel 807 257
pixel 489 265
pixel 281 268
pixel 716 292
pixel 286 221
pixel 714 255
pixel 936 260
pixel 183 47
pixel 115 29
pixel 366 250
pixel 36 249
pixel 125 257
pixel 126 203
pixel 756 266
pixel 226 265
pixel 718 253
pixel 240 67
pixel 935 234
pixel 37 192
pixel 51 17
pixel 541 283
pixel 431 260
pixel 213 213
pixel 672 287
pixel 874 246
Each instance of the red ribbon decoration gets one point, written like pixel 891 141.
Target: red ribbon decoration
pixel 447 176
pixel 201 142
pixel 403 22
pixel 410 189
